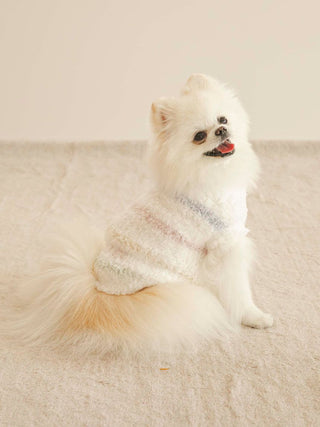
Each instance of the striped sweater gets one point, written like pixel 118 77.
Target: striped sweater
pixel 162 239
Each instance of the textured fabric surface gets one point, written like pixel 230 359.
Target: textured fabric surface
pixel 263 377
pixel 142 247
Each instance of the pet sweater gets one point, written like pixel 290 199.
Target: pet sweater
pixel 162 238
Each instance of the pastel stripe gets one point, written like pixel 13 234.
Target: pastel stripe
pixel 115 268
pixel 125 266
pixel 125 241
pixel 203 211
pixel 167 230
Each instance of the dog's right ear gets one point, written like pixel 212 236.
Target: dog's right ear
pixel 162 113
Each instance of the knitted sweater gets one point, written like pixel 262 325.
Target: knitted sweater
pixel 162 239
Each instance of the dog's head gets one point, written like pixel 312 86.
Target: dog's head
pixel 200 138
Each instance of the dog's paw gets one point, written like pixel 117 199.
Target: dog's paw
pixel 256 318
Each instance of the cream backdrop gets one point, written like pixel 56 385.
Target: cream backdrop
pixel 89 69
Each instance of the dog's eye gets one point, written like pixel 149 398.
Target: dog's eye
pixel 200 137
pixel 223 120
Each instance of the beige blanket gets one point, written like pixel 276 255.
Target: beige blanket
pixel 264 377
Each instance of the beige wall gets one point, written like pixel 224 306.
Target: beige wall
pixel 89 69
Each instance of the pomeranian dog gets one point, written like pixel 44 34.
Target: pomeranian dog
pixel 175 266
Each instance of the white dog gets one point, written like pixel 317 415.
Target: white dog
pixel 175 266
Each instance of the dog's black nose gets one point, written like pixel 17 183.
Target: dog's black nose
pixel 221 131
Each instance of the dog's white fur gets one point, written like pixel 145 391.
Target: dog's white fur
pixel 62 305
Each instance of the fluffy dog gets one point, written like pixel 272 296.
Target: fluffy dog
pixel 175 266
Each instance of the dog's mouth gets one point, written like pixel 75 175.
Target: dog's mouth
pixel 226 148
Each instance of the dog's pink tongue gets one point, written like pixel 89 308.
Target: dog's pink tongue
pixel 225 147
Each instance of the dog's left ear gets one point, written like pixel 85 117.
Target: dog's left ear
pixel 162 113
pixel 197 82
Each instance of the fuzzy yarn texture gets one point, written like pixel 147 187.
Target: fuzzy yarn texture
pixel 263 377
pixel 161 239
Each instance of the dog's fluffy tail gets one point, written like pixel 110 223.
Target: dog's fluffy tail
pixel 62 305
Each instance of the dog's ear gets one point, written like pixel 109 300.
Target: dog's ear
pixel 162 113
pixel 197 82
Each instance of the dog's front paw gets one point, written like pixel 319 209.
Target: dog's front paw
pixel 256 318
